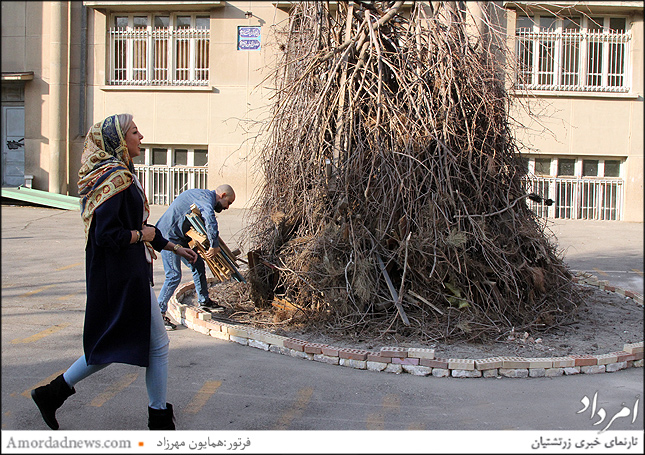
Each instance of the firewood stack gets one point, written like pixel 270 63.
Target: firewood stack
pixel 393 196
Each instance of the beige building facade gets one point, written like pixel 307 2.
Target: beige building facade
pixel 582 78
pixel 193 74
pixel 59 57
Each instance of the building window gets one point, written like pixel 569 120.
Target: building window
pixel 160 50
pixel 172 156
pixel 181 157
pixel 201 157
pixel 13 92
pixel 159 157
pixel 543 166
pixel 573 167
pixel 612 168
pixel 590 168
pixel 166 172
pixel 581 188
pixel 566 167
pixel 572 53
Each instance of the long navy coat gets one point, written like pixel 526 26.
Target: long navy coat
pixel 118 278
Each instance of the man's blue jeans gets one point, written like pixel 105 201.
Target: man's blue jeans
pixel 172 269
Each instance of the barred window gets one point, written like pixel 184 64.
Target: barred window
pixel 156 49
pixel 581 187
pixel 573 53
pixel 167 170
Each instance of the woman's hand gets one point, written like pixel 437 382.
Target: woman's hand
pixel 148 233
pixel 145 234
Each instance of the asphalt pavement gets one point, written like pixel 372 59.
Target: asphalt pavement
pixel 223 386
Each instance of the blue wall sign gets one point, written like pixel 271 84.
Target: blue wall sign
pixel 248 38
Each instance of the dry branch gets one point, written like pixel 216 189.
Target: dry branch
pixel 390 140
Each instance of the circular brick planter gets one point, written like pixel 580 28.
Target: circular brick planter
pixel 417 361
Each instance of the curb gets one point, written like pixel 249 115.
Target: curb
pixel 416 361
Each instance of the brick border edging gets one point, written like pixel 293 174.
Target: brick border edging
pixel 416 361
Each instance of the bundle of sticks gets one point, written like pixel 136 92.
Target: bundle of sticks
pixel 223 264
pixel 390 166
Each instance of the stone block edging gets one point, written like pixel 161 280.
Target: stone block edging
pixel 416 361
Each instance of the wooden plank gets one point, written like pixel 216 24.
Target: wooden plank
pixel 217 273
pixel 224 247
pixel 223 261
pixel 196 236
pixel 395 295
pixel 229 260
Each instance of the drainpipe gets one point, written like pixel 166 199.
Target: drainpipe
pixel 58 98
pixel 83 69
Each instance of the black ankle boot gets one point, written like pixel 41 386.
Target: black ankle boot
pixel 50 397
pixel 161 419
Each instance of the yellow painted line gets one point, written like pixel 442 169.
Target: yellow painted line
pixel 36 291
pixel 27 393
pixel 600 272
pixel 303 399
pixel 6 415
pixel 113 390
pixel 40 335
pixel 69 266
pixel 391 401
pixel 376 420
pixel 416 427
pixel 640 272
pixel 202 397
pixel 68 296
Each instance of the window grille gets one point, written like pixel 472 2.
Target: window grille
pixel 577 198
pixel 163 184
pixel 160 51
pixel 573 54
pixel 165 172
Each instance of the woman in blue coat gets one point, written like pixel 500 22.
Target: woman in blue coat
pixel 123 322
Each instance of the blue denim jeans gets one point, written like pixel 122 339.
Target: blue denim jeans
pixel 172 269
pixel 157 369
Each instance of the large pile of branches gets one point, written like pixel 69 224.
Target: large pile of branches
pixel 393 195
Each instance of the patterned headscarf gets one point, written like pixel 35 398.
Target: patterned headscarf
pixel 106 169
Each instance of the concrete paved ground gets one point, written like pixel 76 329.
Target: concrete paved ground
pixel 612 251
pixel 223 386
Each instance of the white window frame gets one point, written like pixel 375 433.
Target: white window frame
pixel 583 38
pixel 578 165
pixel 172 34
pixel 164 182
pixel 147 154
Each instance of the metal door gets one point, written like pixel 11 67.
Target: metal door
pixel 13 145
